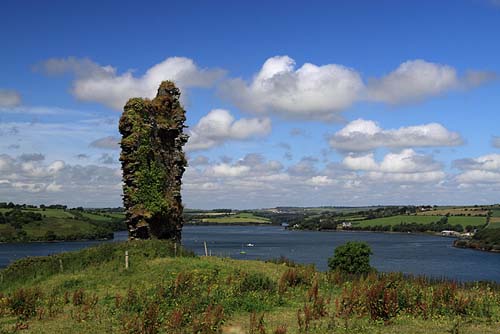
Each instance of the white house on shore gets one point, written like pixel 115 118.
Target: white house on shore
pixel 448 233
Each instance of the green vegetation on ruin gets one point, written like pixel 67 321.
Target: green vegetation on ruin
pixel 153 163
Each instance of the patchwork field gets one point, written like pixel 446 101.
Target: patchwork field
pixel 454 212
pixel 52 213
pixel 464 221
pixel 494 222
pixel 422 219
pixel 240 218
pixel 396 220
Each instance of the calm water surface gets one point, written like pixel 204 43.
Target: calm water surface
pixel 407 253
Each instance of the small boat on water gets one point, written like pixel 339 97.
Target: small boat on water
pixel 246 245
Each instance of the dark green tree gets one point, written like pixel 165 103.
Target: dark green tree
pixel 21 235
pixel 352 257
pixel 50 235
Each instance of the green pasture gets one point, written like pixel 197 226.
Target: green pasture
pixel 396 220
pixel 243 217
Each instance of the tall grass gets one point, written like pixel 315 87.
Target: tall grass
pixel 384 296
pixel 31 268
pixel 203 295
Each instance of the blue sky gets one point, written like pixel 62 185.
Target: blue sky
pixel 288 103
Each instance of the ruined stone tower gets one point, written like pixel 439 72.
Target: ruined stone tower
pixel 153 163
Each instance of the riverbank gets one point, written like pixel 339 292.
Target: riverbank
pixel 457 242
pixel 487 239
pixel 175 292
pixel 478 246
pixel 409 253
pixel 57 241
pixel 229 224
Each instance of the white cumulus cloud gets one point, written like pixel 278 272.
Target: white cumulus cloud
pixel 227 170
pixel 103 84
pixel 9 98
pixel 483 170
pixel 405 166
pixel 415 80
pixel 365 135
pixel 107 143
pixel 311 91
pixel 219 126
pixel 321 180
pixel 29 179
pixel 495 141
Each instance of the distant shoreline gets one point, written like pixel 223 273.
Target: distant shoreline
pixel 54 241
pixel 469 245
pixel 229 224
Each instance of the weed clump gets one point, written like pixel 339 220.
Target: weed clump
pixel 293 277
pixel 24 302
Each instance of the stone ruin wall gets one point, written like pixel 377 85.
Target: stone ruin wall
pixel 153 162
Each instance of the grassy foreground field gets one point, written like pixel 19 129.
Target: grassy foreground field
pixel 168 290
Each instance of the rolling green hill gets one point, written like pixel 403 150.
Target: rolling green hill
pixel 396 220
pixel 238 218
pixel 48 224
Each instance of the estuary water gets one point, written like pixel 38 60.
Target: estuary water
pixel 408 253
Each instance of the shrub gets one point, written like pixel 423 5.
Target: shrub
pixel 257 282
pixel 353 258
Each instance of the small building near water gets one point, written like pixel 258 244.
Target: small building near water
pixel 346 225
pixel 448 233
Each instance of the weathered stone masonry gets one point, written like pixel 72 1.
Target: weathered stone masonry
pixel 153 163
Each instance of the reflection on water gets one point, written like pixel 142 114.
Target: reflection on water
pixel 408 253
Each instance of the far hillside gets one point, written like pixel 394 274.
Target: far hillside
pixel 477 223
pixel 25 223
pixel 225 217
pixel 422 223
